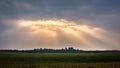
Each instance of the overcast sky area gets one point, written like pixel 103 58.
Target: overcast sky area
pixel 87 24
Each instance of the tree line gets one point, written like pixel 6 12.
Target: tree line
pixel 63 50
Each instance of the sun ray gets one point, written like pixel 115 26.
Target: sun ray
pixel 97 33
pixel 76 35
pixel 50 30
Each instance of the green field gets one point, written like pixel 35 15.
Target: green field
pixel 59 60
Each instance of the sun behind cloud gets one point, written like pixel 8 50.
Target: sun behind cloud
pixel 51 30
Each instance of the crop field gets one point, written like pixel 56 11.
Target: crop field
pixel 59 60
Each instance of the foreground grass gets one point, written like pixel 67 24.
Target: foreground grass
pixel 59 60
pixel 63 65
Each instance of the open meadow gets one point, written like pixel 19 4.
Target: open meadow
pixel 59 60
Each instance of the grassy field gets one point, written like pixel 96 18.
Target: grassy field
pixel 59 60
pixel 62 65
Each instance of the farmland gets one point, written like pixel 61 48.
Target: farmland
pixel 59 60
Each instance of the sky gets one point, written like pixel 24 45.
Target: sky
pixel 82 24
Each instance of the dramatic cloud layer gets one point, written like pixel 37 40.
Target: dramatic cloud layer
pixel 84 24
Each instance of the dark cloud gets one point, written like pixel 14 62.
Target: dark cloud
pixel 98 13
